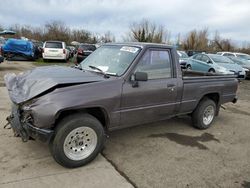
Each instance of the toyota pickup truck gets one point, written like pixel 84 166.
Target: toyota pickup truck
pixel 119 85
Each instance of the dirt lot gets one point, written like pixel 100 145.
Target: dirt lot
pixel 164 154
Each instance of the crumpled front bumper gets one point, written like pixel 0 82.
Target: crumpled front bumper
pixel 26 130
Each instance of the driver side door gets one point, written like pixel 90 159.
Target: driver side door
pixel 154 99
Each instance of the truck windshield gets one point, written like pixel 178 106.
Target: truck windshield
pixel 112 60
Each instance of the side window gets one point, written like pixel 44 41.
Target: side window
pixel 156 63
pixel 197 57
pixel 205 58
pixel 228 54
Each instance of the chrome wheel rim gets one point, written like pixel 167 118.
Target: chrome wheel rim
pixel 80 143
pixel 208 115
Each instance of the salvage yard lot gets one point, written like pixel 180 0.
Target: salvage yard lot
pixel 165 154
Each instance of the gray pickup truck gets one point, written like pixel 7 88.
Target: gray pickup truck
pixel 117 86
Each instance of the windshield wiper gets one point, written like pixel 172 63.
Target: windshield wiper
pixel 105 74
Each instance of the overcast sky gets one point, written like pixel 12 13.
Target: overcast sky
pixel 230 17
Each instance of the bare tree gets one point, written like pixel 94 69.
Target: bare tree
pixel 222 44
pixel 104 38
pixel 146 31
pixel 108 37
pixel 57 30
pixel 196 40
pixel 81 35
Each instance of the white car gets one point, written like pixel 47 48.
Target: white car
pixel 55 50
pixel 235 54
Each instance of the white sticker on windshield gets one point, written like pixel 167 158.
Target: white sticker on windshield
pixel 129 49
pixel 103 68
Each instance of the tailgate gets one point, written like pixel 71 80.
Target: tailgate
pixel 53 52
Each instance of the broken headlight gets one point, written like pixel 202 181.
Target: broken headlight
pixel 26 113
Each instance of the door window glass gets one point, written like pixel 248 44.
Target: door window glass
pixel 156 63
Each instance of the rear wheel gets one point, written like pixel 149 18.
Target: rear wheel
pixel 203 115
pixel 78 140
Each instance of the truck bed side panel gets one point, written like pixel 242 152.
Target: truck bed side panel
pixel 195 89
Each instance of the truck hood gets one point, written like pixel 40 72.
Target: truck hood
pixel 25 86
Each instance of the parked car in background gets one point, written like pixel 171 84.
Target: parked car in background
pixel 183 58
pixel 2 42
pixel 193 52
pixel 215 64
pixel 1 59
pixel 69 53
pixel 18 49
pixel 55 50
pixel 72 51
pixel 38 45
pixel 244 63
pixel 83 51
pixel 233 54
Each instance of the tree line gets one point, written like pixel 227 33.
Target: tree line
pixel 57 30
pixel 142 31
pixel 146 31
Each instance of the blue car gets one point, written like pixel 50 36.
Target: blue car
pixel 183 58
pixel 215 64
pixel 245 64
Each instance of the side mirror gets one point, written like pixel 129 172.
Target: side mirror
pixel 140 76
pixel 209 62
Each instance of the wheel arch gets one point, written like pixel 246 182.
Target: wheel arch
pixel 215 96
pixel 211 68
pixel 98 112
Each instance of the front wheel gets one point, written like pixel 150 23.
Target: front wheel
pixel 204 114
pixel 189 67
pixel 78 140
pixel 211 71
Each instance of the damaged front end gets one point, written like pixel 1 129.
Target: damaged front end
pixel 25 88
pixel 21 123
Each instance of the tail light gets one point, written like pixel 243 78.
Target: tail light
pixel 64 51
pixel 0 50
pixel 80 51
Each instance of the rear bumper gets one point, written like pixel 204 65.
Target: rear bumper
pixel 27 130
pixel 63 57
